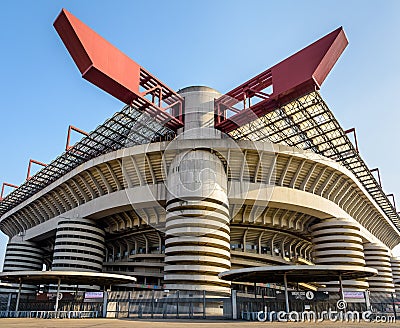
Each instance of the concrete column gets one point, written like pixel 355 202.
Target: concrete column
pixel 338 242
pixel 22 256
pixel 197 245
pixel 286 293
pixel 199 113
pixel 79 246
pixel 57 295
pixel 378 257
pixel 18 295
pixel 395 263
pixel 9 301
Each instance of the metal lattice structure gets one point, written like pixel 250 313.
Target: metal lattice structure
pixel 128 127
pixel 307 123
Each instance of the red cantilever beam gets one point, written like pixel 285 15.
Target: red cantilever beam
pixel 73 128
pixel 32 161
pixel 300 73
pixel 3 186
pixel 114 72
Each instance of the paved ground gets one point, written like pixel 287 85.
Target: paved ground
pixel 124 323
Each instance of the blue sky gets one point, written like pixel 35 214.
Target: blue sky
pixel 216 43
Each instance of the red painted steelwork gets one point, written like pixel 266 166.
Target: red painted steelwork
pixel 394 200
pixel 2 189
pixel 73 128
pixel 379 175
pixel 302 72
pixel 114 72
pixel 32 161
pixel 353 130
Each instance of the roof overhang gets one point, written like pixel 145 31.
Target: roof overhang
pixel 297 273
pixel 66 277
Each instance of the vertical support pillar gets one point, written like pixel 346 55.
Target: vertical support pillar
pixel 286 293
pixel 152 304
pixel 341 287
pixel 394 305
pixel 177 304
pixel 129 304
pixel 263 300
pixel 58 294
pixel 204 304
pixel 367 300
pixel 234 305
pixel 9 302
pixel 105 298
pixel 272 247
pixel 19 295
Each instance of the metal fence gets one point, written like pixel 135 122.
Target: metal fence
pixel 380 305
pixel 29 306
pixel 163 304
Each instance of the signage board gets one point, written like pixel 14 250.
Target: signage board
pixel 354 295
pixel 94 295
pixel 305 295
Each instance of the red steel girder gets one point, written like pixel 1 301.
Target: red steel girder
pixel 379 175
pixel 73 128
pixel 298 74
pixel 353 130
pixel 32 161
pixel 114 72
pixel 3 186
pixel 394 201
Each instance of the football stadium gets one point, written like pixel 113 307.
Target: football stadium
pixel 201 203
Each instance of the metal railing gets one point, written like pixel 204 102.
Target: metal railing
pixel 49 314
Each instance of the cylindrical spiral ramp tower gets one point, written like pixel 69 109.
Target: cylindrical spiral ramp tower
pixel 378 257
pixel 197 245
pixel 338 242
pixel 23 256
pixel 395 263
pixel 197 223
pixel 199 113
pixel 79 246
